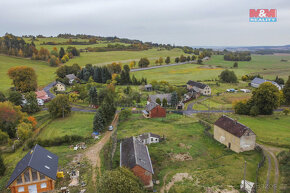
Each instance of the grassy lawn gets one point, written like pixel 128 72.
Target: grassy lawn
pixel 76 124
pixel 45 73
pixel 182 73
pixel 211 165
pixel 269 129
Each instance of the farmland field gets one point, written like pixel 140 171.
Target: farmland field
pixel 76 124
pixel 211 165
pixel 45 73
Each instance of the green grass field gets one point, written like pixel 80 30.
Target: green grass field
pixel 211 165
pixel 267 65
pixel 182 73
pixel 76 124
pixel 45 73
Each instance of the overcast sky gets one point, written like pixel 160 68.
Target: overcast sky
pixel 179 22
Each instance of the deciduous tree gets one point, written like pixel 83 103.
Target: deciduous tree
pixel 24 78
pixel 59 106
pixel 167 60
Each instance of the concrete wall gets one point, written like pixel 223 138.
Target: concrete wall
pixel 227 139
pixel 247 143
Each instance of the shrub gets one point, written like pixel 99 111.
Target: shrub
pixel 228 76
pixel 4 137
pixel 124 115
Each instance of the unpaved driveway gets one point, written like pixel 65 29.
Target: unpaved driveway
pixel 93 153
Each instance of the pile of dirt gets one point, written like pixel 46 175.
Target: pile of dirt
pixel 181 157
pixel 176 178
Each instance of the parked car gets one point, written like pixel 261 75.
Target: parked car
pixel 231 90
pixel 111 128
pixel 245 90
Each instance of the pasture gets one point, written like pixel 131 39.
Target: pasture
pixel 210 164
pixel 45 73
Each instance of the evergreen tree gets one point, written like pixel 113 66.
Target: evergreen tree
pixel 193 57
pixel 164 102
pixel 158 101
pixel 2 97
pixel 99 121
pixel 176 60
pixel 167 60
pixel 174 99
pixel 286 91
pixel 15 97
pixel 61 52
pixel 228 76
pixel 93 95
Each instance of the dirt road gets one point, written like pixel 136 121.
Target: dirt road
pixel 93 153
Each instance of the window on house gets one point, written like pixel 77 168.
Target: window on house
pixel 43 185
pixel 20 189
pixel 42 177
pixel 151 139
pixel 19 180
pixel 34 175
pixel 26 176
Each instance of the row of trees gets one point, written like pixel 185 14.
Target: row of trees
pixel 237 56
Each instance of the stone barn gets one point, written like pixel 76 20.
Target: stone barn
pixel 234 135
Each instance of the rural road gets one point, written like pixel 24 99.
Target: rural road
pixel 93 152
pixel 270 151
pixel 47 90
pixel 190 106
pixel 161 66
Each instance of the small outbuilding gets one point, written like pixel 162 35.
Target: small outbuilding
pixel 234 135
pixel 154 110
pixel 71 78
pixel 148 138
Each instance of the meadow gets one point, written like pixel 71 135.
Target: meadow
pixel 211 164
pixel 78 123
pixel 45 73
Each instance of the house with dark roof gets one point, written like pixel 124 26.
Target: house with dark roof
pixel 135 156
pixel 148 138
pixel 35 172
pixel 198 87
pixel 167 96
pixel 256 82
pixel 71 78
pixel 153 110
pixel 234 135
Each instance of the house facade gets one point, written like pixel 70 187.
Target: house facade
pixel 256 82
pixel 135 156
pixel 60 87
pixel 148 138
pixel 154 110
pixel 35 173
pixel 198 87
pixel 234 135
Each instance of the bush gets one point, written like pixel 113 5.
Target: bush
pixel 124 115
pixel 65 140
pixel 286 111
pixel 228 76
pixel 254 111
pixel 4 137
pixel 53 61
pixel 2 166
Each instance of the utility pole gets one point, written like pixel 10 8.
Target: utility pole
pixel 245 176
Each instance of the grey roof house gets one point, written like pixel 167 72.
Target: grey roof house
pixel 152 98
pixel 135 156
pixel 256 82
pixel 71 78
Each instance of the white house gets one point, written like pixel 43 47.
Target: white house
pixel 148 138
pixel 199 87
pixel 71 78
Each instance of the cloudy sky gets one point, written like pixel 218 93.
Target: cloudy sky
pixel 179 22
